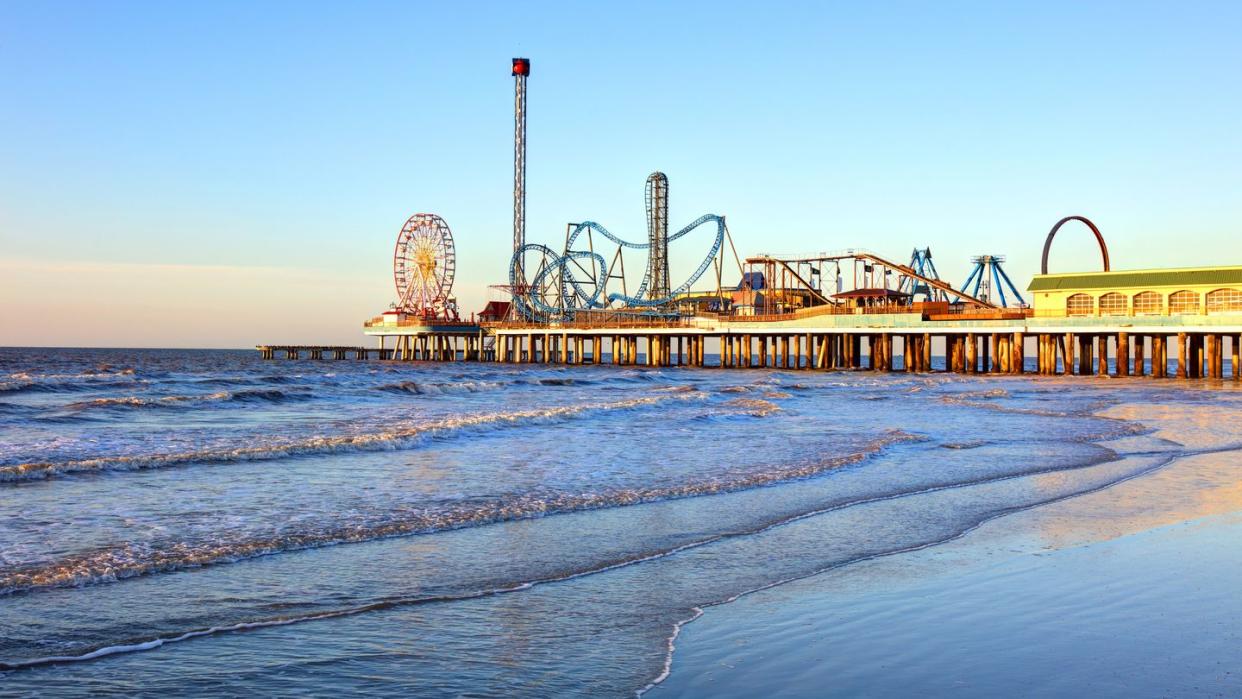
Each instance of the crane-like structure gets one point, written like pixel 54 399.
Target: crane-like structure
pixel 989 278
pixel 921 262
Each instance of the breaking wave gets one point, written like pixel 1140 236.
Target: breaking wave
pixel 133 560
pixel 755 407
pixel 246 396
pixel 106 372
pixel 26 386
pixel 427 388
pixel 377 441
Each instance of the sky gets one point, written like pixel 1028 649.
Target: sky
pixel 227 174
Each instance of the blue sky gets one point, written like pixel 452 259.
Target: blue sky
pixel 221 174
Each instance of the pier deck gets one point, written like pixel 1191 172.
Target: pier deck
pixel 1118 346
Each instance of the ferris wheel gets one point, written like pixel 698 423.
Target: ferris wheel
pixel 424 263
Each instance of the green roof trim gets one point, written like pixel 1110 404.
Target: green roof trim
pixel 1206 276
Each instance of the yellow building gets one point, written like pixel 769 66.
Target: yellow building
pixel 1146 292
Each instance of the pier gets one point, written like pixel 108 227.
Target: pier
pixel 318 352
pixel 882 343
pixel 847 311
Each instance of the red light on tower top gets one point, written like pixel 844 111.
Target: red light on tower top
pixel 521 66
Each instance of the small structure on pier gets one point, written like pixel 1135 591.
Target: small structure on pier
pixel 874 298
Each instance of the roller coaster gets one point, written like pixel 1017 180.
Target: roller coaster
pixel 548 286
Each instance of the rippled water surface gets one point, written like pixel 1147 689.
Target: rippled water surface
pixel 209 523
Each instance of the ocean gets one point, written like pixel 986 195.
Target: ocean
pixel 206 523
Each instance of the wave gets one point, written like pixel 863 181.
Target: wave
pixel 974 444
pixel 138 645
pixel 21 386
pixel 278 379
pixel 133 560
pixel 696 611
pixel 424 388
pixel 16 413
pixel 984 393
pixel 376 441
pixel 257 395
pixel 755 407
pixel 1015 410
pixel 105 372
pixel 984 399
pixel 90 380
pixel 678 389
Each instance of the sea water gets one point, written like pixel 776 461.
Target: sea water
pixel 208 523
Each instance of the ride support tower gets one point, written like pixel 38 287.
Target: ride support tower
pixel 521 70
pixel 658 286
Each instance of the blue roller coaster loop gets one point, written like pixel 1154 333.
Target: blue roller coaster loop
pixel 532 306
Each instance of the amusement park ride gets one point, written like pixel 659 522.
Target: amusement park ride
pixel 576 280
pixel 585 279
pixel 574 304
pixel 424 263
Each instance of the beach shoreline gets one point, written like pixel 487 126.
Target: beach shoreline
pixel 1102 592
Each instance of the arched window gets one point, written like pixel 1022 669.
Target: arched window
pixel 1114 304
pixel 1183 302
pixel 1147 303
pixel 1224 301
pixel 1079 305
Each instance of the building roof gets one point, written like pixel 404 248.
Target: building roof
pixel 1132 279
pixel 495 309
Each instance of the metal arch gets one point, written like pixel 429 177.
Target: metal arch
pixel 1052 233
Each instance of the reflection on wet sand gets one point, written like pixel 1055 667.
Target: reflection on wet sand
pixel 1202 478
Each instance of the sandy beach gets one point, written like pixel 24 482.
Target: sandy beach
pixel 1131 590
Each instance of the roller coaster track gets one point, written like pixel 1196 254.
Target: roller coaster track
pixel 903 269
pixel 575 293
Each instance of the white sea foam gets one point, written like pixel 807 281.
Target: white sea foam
pixel 376 441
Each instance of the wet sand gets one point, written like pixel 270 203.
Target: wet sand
pixel 1129 591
